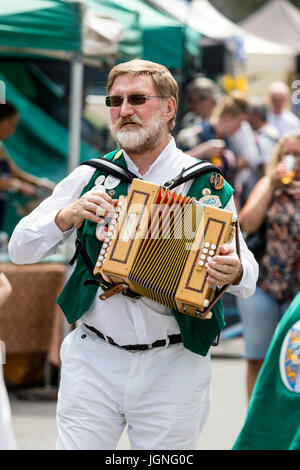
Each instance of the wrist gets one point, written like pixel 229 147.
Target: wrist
pixel 239 276
pixel 62 221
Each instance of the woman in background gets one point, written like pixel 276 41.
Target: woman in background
pixel 274 204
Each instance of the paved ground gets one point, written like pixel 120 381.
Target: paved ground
pixel 35 428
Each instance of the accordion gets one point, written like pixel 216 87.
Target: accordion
pixel 158 245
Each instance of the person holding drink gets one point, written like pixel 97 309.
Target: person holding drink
pixel 274 205
pixel 212 141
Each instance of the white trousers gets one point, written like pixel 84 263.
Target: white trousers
pixel 7 438
pixel 162 394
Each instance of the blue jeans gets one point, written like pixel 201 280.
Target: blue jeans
pixel 260 315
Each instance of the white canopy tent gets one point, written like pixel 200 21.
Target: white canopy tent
pixel 264 60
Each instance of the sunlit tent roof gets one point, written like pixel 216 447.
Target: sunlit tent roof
pixel 206 19
pixel 276 20
pixel 264 60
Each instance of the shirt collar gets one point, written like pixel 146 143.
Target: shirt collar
pixel 163 160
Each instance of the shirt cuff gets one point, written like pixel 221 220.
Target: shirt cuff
pixel 50 230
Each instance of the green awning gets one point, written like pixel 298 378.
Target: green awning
pixel 161 38
pixel 43 24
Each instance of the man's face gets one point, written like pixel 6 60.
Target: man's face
pixel 292 147
pixel 278 101
pixel 228 124
pixel 203 107
pixel 8 126
pixel 138 127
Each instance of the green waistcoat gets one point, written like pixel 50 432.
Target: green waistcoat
pixel 76 298
pixel 273 416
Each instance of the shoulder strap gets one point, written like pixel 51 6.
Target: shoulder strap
pixel 185 175
pixel 112 168
pixel 193 171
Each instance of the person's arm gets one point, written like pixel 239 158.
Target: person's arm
pixel 210 149
pixel 5 288
pixel 37 235
pixel 20 180
pixel 254 211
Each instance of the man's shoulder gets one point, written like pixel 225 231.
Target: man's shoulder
pixel 289 115
pixel 186 160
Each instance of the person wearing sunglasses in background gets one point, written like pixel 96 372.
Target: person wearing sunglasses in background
pixel 130 362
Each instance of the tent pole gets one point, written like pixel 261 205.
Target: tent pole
pixel 75 111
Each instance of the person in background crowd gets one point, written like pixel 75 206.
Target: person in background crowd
pixel 257 147
pixel 213 136
pixel 7 439
pixel 279 114
pixel 131 362
pixel 202 97
pixel 12 178
pixel 274 206
pixel 266 134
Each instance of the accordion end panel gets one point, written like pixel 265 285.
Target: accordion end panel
pixel 194 293
pixel 124 233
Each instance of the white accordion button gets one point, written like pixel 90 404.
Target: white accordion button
pixel 211 252
pixel 201 262
pixel 205 303
pixel 205 250
pixel 207 245
pixel 213 247
pixel 203 257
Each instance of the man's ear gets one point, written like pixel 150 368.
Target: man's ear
pixel 170 107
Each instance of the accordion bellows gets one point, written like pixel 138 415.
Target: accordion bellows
pixel 158 245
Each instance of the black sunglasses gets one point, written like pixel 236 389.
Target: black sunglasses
pixel 134 100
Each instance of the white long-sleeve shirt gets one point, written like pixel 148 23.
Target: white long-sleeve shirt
pixel 127 321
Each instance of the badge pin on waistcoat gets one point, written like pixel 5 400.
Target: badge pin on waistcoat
pixel 100 180
pixel 111 182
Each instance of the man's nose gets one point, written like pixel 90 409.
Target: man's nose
pixel 126 109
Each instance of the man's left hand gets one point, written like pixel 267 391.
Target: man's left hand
pixel 225 268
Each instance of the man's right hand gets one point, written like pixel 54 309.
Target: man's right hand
pixel 92 205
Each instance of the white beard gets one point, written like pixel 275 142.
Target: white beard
pixel 140 139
